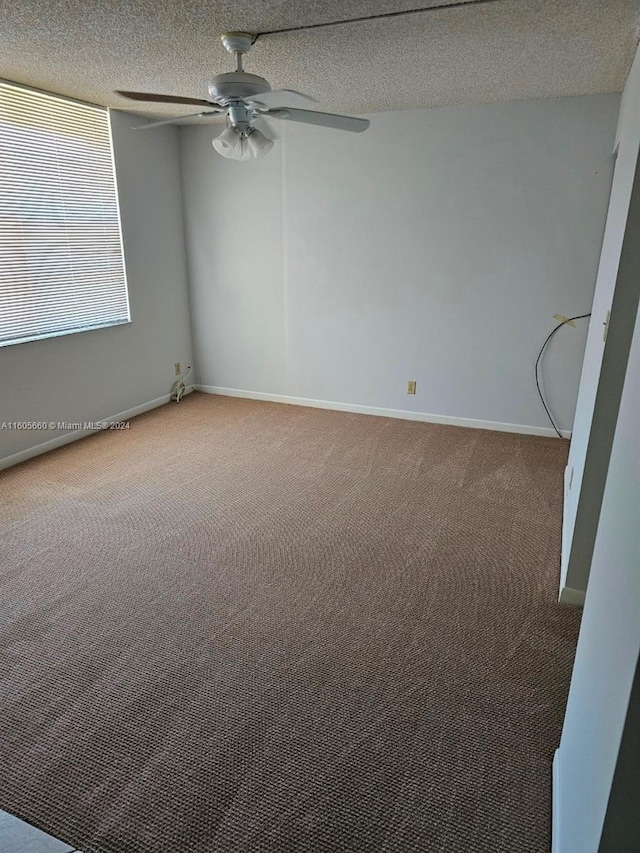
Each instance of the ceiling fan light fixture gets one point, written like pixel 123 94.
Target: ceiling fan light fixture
pixel 227 143
pixel 259 144
pixel 242 150
pixel 237 146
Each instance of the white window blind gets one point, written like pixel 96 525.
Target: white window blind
pixel 61 260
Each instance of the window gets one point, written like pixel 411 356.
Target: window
pixel 61 261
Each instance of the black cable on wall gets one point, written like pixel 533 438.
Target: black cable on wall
pixel 542 349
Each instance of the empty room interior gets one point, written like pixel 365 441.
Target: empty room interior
pixel 319 406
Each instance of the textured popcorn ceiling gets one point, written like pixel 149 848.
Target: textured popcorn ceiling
pixel 496 51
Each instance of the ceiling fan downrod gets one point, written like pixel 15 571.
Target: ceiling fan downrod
pixel 238 44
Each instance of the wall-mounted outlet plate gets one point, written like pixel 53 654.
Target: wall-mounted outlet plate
pixel 411 386
pixel 177 368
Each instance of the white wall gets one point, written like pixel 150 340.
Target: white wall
pixel 592 751
pixel 601 380
pixel 92 375
pixel 435 247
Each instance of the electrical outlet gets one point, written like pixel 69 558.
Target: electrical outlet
pixel 411 386
pixel 177 368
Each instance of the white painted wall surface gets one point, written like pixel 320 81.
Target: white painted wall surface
pixel 436 247
pixel 627 143
pixel 607 652
pixel 92 375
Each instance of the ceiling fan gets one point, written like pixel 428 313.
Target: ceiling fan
pixel 246 99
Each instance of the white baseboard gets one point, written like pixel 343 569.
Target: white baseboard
pixel 76 435
pixel 568 595
pixel 555 803
pixel 385 413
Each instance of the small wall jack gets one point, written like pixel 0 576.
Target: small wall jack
pixel 179 388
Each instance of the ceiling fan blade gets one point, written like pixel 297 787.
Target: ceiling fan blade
pixel 176 119
pixel 163 99
pixel 260 123
pixel 280 99
pixel 355 125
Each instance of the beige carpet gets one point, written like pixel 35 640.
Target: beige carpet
pixel 243 626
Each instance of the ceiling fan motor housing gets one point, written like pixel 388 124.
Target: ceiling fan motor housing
pixel 236 85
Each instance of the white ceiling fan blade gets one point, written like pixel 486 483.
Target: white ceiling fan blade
pixel 355 125
pixel 280 99
pixel 260 123
pixel 177 119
